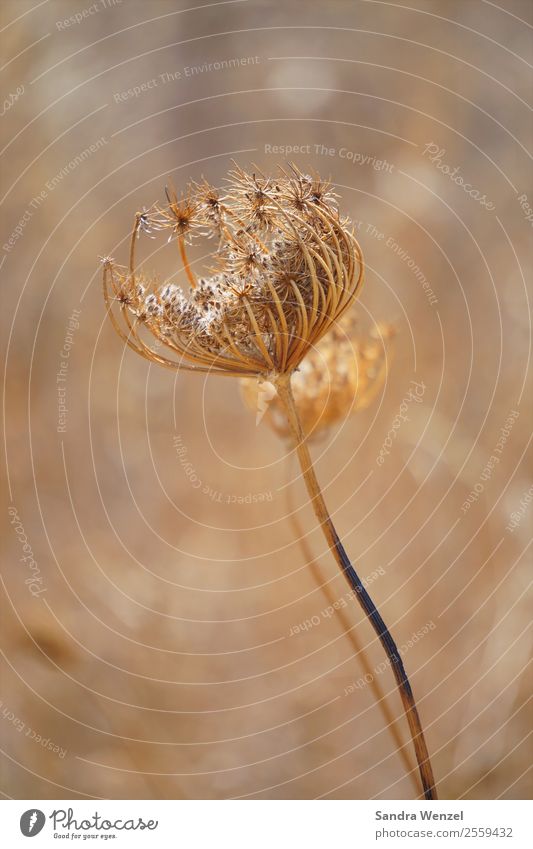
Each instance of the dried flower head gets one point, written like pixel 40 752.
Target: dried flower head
pixel 286 268
pixel 341 375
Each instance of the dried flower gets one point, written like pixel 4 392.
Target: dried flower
pixel 341 375
pixel 287 271
pixel 288 267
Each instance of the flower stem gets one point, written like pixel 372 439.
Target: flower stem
pixel 283 383
pixel 390 721
pixel 188 270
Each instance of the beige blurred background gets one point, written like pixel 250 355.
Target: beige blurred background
pixel 146 638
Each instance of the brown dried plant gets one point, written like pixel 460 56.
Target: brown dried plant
pixel 340 376
pixel 286 268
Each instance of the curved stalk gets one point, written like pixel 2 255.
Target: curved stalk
pixel 188 270
pixel 283 384
pixel 348 628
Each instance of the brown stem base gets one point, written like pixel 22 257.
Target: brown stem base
pixel 283 383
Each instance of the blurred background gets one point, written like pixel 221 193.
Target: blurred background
pixel 166 631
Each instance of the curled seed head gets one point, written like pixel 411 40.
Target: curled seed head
pixel 286 269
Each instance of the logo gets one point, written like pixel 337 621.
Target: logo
pixel 32 822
